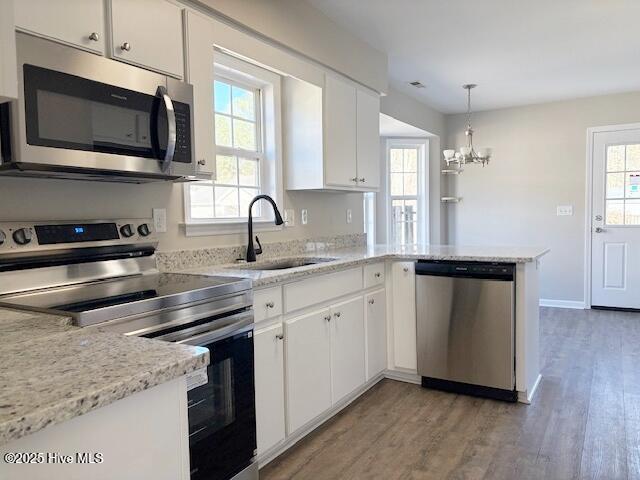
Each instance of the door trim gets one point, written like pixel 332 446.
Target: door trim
pixel 588 224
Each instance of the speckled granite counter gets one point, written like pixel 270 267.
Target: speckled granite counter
pixel 51 371
pixel 348 257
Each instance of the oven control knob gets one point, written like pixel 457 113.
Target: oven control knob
pixel 22 236
pixel 126 230
pixel 3 237
pixel 143 229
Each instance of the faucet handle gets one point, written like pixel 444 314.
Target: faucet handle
pixel 259 249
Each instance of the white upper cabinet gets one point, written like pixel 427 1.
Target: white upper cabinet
pixel 340 132
pixel 148 33
pixel 79 23
pixel 8 65
pixel 331 136
pixel 368 140
pixel 199 73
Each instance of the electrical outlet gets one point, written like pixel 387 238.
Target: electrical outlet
pixel 160 220
pixel 289 217
pixel 564 210
pixel 304 216
pixel 349 216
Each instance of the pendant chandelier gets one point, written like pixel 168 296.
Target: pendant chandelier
pixel 468 154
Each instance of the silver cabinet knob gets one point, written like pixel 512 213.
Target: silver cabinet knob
pixel 327 318
pixel 126 46
pixel 202 162
pixel 405 269
pixel 599 229
pixel 372 301
pixel 280 337
pixel 377 274
pixel 337 314
pixel 94 36
pixel 354 179
pixel 362 180
pixel 270 304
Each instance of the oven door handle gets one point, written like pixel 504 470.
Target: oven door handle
pixel 243 324
pixel 171 128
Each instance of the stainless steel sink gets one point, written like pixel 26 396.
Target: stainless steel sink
pixel 282 264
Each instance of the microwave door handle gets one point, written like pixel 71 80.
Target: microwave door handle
pixel 171 131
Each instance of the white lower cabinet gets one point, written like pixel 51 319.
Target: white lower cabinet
pixel 375 323
pixel 403 319
pixel 307 367
pixel 347 347
pixel 268 346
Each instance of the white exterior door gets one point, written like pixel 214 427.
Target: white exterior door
pixel 615 235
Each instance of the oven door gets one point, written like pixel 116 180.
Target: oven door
pixel 222 423
pixel 80 111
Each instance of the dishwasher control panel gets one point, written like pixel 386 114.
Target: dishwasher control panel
pixel 498 271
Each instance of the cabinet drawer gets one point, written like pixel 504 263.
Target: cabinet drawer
pixel 267 303
pixel 321 288
pixel 373 275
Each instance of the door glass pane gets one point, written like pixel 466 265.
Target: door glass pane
pixel 223 131
pixel 249 171
pixel 615 185
pixel 244 135
pixel 633 157
pixel 633 185
pixel 243 103
pixel 226 170
pixel 222 97
pixel 632 212
pixel 226 201
pixel 615 158
pixel 615 212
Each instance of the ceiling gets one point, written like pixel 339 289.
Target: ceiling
pixel 391 127
pixel 518 51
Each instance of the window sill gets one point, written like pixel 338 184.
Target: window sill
pixel 201 229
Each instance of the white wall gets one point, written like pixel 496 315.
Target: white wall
pixel 408 110
pixel 539 162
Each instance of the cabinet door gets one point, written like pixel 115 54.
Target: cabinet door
pixel 148 33
pixel 308 367
pixel 368 140
pixel 76 22
pixel 347 347
pixel 339 132
pixel 375 322
pixel 404 316
pixel 199 73
pixel 269 372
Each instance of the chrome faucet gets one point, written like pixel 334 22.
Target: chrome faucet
pixel 251 251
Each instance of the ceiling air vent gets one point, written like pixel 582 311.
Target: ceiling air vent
pixel 417 84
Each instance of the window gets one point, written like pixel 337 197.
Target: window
pixel 247 124
pixel 623 185
pixel 407 180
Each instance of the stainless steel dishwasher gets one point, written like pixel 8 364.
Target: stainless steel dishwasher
pixel 466 326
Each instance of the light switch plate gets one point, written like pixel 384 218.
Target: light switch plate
pixel 564 210
pixel 160 220
pixel 304 216
pixel 349 216
pixel 289 217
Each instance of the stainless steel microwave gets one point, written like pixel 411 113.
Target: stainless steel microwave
pixel 83 116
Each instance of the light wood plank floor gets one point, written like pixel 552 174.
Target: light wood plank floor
pixel 584 421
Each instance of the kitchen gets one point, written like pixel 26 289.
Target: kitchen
pixel 255 240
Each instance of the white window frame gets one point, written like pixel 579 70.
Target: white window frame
pixel 422 221
pixel 234 70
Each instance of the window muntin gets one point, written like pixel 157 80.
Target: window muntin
pixel 622 185
pixel 404 194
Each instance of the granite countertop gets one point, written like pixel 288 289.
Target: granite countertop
pixel 348 257
pixel 52 371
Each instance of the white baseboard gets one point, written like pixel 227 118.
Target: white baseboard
pixel 407 377
pixel 526 397
pixel 546 302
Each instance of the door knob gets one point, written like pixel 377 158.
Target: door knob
pixel 599 229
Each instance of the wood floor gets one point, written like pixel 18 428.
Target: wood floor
pixel 584 421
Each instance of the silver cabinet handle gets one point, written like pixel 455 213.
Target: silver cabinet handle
pixel 599 229
pixel 94 36
pixel 202 162
pixel 362 180
pixel 126 47
pixel 337 314
pixel 377 274
pixel 280 337
pixel 171 123
pixel 372 301
pixel 327 318
pixel 270 304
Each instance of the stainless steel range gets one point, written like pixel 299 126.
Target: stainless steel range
pixel 104 274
